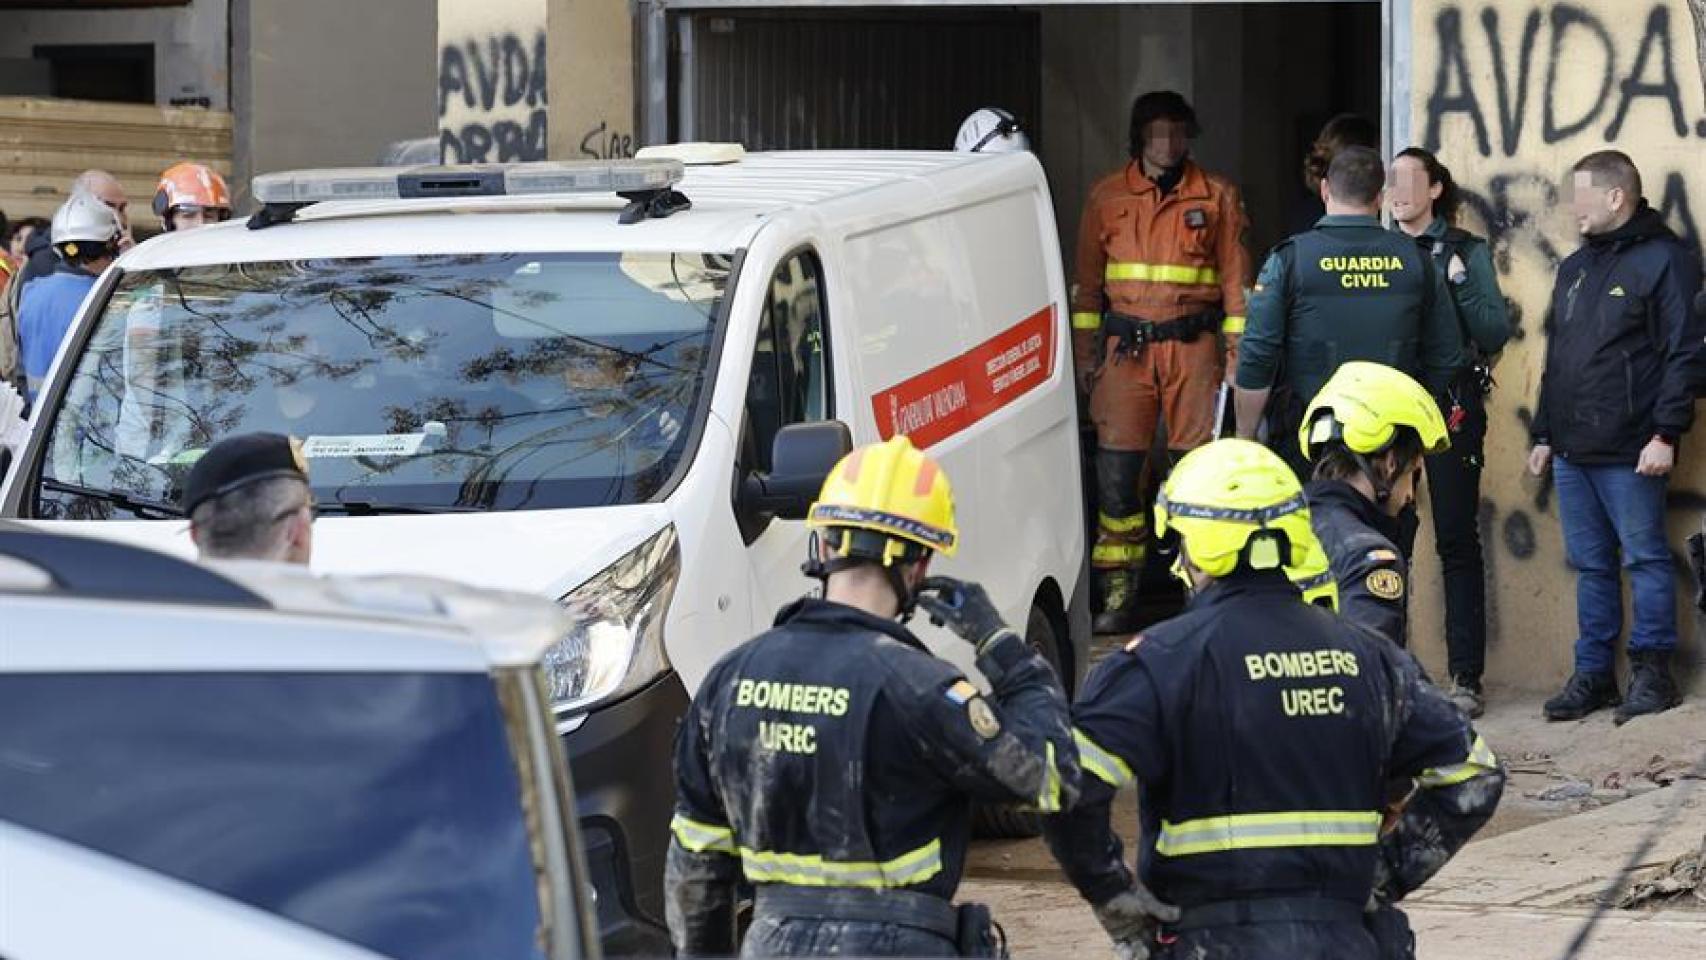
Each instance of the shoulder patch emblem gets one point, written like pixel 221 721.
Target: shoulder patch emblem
pixel 1196 218
pixel 960 692
pixel 1382 556
pixel 983 720
pixel 1385 584
pixel 1132 644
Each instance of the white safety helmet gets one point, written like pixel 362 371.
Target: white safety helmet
pixel 991 130
pixel 85 222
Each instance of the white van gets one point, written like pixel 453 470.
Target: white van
pixel 514 377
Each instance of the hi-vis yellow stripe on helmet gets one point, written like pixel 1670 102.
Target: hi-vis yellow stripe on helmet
pixel 1230 495
pixel 1266 831
pixel 890 488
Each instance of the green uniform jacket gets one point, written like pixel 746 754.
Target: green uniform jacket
pixel 1348 290
pixel 1480 304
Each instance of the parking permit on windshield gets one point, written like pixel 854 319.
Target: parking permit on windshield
pixel 372 445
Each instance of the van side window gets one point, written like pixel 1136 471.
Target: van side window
pixel 790 372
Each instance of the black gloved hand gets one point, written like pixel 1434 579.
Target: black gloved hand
pixel 1132 920
pixel 964 608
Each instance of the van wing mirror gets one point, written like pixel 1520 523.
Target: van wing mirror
pixel 801 458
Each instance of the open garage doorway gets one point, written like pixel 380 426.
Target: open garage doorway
pixel 1263 77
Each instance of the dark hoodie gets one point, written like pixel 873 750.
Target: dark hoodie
pixel 1622 345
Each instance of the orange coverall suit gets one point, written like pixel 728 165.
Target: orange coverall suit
pixel 1159 259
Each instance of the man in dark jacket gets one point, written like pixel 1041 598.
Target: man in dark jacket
pixel 1261 730
pixel 832 762
pixel 1366 433
pixel 1616 396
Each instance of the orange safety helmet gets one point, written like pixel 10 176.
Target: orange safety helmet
pixel 191 185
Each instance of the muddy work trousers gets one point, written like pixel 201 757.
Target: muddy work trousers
pixel 850 923
pixel 1285 929
pixel 1169 380
pixel 1274 941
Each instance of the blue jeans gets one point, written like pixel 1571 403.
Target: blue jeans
pixel 1606 511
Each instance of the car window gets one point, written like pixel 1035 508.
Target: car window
pixel 383 809
pixel 790 371
pixel 482 381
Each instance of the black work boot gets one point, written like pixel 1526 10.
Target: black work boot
pixel 1466 693
pixel 1651 688
pixel 1119 603
pixel 1583 694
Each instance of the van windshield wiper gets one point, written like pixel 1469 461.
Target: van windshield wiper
pixel 375 508
pixel 136 505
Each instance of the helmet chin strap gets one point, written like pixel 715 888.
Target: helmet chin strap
pixel 907 600
pixel 820 570
pixel 1382 490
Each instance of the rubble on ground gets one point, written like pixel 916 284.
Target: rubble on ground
pixel 1682 882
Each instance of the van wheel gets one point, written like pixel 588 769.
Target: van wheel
pixel 1007 821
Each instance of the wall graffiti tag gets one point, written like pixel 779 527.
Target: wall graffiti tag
pixel 492 99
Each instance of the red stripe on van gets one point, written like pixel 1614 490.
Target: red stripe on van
pixel 949 397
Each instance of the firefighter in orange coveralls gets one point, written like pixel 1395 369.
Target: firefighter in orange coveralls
pixel 1160 275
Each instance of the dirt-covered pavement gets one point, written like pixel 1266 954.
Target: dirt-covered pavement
pixel 1581 797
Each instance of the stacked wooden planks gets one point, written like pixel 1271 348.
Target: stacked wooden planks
pixel 45 144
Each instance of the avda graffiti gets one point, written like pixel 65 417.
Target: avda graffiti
pixel 1651 74
pixel 499 81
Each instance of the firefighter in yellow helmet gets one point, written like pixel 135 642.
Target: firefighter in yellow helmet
pixel 1366 433
pixel 1261 731
pixel 832 762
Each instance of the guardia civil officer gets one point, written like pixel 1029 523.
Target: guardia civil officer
pixel 1261 731
pixel 832 762
pixel 1425 199
pixel 1367 433
pixel 1347 290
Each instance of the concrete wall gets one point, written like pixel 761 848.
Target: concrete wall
pixel 1263 77
pixel 330 82
pixel 592 79
pixel 1510 93
pixel 190 48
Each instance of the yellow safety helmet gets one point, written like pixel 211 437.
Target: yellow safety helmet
pixel 1313 574
pixel 1233 502
pixel 1363 406
pixel 887 503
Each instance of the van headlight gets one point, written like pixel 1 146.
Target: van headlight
pixel 616 644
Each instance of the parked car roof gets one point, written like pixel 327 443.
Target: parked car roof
pixel 248 616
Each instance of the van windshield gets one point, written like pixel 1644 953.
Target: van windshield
pixel 465 382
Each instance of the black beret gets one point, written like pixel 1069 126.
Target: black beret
pixel 236 462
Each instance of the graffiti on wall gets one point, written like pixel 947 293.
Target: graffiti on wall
pixel 1510 93
pixel 492 99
